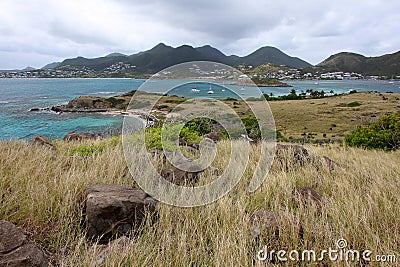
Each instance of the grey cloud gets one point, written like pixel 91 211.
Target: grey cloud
pixel 312 30
pixel 228 20
pixel 80 36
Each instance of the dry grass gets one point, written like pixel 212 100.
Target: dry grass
pixel 331 116
pixel 43 194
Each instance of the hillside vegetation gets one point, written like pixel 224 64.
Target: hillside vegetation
pixel 350 62
pixel 307 119
pixel 162 56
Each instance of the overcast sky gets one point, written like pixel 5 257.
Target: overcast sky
pixel 36 32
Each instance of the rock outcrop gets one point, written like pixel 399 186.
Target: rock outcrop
pixel 40 140
pixel 185 172
pixel 292 156
pixel 87 102
pixel 298 153
pixel 113 210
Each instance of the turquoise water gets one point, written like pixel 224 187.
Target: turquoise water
pixel 17 96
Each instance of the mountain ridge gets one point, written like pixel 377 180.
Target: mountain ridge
pixel 162 56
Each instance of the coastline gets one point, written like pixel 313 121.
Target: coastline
pixel 137 114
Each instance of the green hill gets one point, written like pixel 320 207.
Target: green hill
pixel 350 62
pixel 163 56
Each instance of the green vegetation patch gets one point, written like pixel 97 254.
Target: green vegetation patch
pixel 93 148
pixel 115 101
pixel 383 134
pixel 350 105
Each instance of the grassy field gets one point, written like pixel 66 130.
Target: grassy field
pixel 324 118
pixel 334 116
pixel 43 193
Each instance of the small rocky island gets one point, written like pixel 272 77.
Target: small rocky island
pixel 92 104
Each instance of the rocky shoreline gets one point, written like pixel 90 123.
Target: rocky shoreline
pixel 64 108
pixel 114 106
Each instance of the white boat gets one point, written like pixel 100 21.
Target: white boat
pixel 194 89
pixel 242 89
pixel 223 90
pixel 210 91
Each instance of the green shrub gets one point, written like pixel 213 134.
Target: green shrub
pixel 350 105
pixel 383 134
pixel 87 150
pixel 354 104
pixel 252 128
pixel 154 137
pixel 201 126
pixel 174 101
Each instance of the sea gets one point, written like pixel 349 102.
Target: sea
pixel 18 96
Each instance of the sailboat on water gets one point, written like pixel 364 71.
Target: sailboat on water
pixel 194 89
pixel 210 91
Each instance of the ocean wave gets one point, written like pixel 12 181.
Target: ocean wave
pixel 44 110
pixel 102 93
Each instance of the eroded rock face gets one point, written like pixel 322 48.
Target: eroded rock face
pixel 113 210
pixel 74 136
pixel 16 250
pixel 10 237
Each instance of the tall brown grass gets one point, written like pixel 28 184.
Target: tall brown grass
pixel 43 193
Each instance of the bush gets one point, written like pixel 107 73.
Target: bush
pixel 93 148
pixel 188 132
pixel 383 134
pixel 252 128
pixel 350 105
